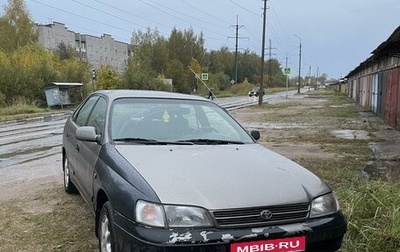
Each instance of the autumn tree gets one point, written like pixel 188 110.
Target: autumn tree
pixel 24 73
pixel 195 67
pixel 176 72
pixel 185 45
pixel 107 78
pixel 160 55
pixel 16 27
pixel 278 79
pixel 65 51
pixel 5 77
pixel 221 61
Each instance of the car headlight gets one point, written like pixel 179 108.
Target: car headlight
pixel 174 216
pixel 184 216
pixel 324 205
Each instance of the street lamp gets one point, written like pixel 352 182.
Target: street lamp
pixel 298 90
pixel 308 80
pixel 94 77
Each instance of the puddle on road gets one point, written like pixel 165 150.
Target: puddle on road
pixel 13 158
pixel 341 105
pixel 350 134
pixel 26 152
pixel 285 125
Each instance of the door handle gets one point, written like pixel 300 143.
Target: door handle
pixel 77 147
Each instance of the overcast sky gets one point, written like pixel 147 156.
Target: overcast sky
pixel 336 36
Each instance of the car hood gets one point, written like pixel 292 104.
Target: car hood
pixel 222 176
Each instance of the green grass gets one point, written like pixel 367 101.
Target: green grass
pixel 20 111
pixel 372 207
pixel 373 212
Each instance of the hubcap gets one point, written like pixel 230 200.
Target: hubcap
pixel 66 173
pixel 105 235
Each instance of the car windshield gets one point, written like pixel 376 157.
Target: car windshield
pixel 171 121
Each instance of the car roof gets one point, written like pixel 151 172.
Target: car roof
pixel 130 93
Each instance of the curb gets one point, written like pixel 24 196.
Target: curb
pixel 43 118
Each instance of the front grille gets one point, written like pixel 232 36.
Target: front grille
pixel 252 216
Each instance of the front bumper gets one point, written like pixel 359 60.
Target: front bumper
pixel 322 234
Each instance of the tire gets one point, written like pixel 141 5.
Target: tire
pixel 69 187
pixel 105 229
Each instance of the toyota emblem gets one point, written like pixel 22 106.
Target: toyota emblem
pixel 266 214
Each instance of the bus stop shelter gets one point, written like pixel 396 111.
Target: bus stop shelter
pixel 57 92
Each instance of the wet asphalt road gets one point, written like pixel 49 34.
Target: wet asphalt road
pixel 28 140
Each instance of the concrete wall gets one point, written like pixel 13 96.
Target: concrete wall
pixel 98 51
pixel 51 35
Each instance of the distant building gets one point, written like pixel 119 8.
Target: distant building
pixel 98 51
pixel 375 83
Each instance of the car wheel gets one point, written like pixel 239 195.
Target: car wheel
pixel 105 229
pixel 69 187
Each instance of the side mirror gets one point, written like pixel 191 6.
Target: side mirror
pixel 87 133
pixel 255 134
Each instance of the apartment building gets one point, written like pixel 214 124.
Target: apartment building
pixel 98 51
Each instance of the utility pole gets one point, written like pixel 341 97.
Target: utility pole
pixel 260 97
pixel 309 77
pixel 237 27
pixel 287 78
pixel 269 64
pixel 298 90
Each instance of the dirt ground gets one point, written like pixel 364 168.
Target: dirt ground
pixel 287 124
pixel 36 214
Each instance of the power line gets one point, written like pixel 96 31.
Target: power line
pixel 74 14
pixel 252 36
pixel 168 13
pixel 130 13
pixel 244 8
pixel 112 15
pixel 269 65
pixel 204 12
pixel 237 27
pixel 183 14
pixel 280 24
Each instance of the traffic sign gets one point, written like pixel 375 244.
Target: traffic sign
pixel 287 70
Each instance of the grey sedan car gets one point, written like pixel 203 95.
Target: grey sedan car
pixel 171 172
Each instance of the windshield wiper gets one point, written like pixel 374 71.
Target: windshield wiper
pixel 210 141
pixel 150 141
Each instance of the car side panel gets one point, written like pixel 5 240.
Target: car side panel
pixel 70 144
pixel 86 159
pixel 79 156
pixel 112 169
